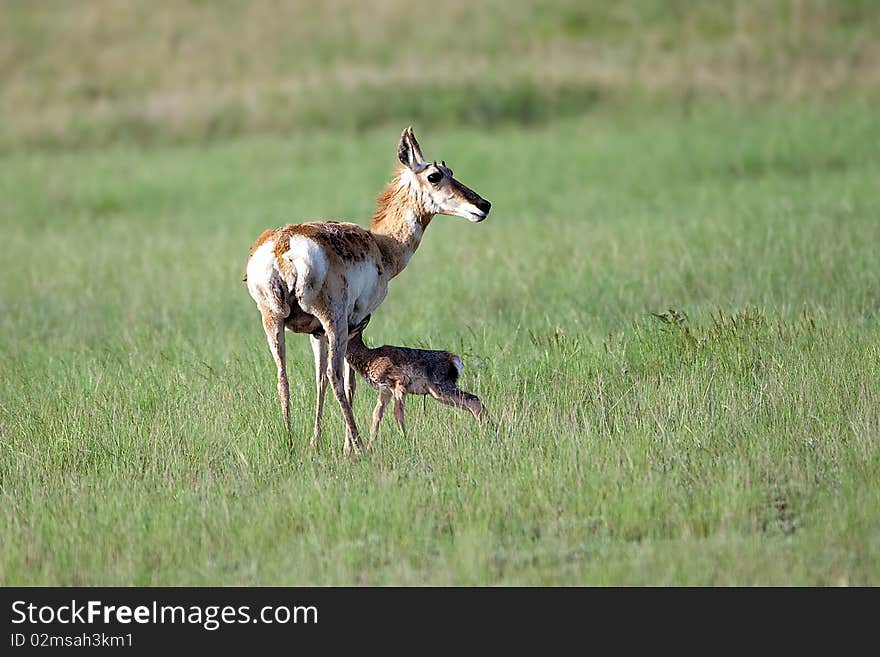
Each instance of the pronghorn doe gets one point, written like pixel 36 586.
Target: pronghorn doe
pixel 322 277
pixel 399 371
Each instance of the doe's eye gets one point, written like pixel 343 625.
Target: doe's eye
pixel 434 177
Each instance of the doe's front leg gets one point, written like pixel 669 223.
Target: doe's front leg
pixel 337 338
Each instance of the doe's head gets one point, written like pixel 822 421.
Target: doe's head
pixel 439 191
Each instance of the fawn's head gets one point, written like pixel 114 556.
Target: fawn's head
pixel 439 192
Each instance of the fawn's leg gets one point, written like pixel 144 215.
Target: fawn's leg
pixel 273 325
pixel 453 396
pixel 319 349
pixel 399 394
pixel 350 382
pixel 378 412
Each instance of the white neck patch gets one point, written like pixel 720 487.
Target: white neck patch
pixel 413 223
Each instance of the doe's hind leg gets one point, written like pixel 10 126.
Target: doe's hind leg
pixel 273 325
pixel 319 349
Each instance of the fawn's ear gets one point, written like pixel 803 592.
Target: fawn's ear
pixel 408 151
pixel 360 326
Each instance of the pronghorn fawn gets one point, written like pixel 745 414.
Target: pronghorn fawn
pixel 399 371
pixel 322 277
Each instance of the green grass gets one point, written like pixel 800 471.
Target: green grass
pixel 105 71
pixel 140 438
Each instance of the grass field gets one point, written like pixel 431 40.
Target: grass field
pixel 672 312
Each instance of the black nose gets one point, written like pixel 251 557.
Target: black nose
pixel 484 205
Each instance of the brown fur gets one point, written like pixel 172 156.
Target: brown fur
pixel 391 204
pixel 348 241
pixel 399 371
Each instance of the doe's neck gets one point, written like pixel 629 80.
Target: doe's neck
pixel 400 221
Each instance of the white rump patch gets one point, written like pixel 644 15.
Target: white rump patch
pixel 261 264
pixel 263 278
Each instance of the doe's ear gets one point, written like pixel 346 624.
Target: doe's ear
pixel 408 151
